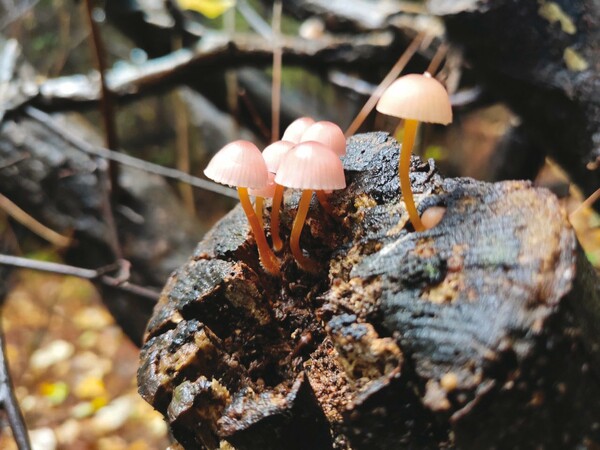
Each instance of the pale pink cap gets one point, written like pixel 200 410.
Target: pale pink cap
pixel 327 133
pixel 417 97
pixel 266 192
pixel 294 131
pixel 274 153
pixel 311 165
pixel 239 163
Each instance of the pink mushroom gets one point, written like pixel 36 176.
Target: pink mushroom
pixel 241 164
pixel 294 131
pixel 414 98
pixel 273 155
pixel 260 194
pixel 332 136
pixel 308 166
pixel 327 133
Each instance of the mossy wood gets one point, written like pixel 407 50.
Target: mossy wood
pixel 479 333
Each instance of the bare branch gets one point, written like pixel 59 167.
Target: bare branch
pixel 121 158
pixel 88 274
pixel 9 401
pixel 214 50
pixel 33 225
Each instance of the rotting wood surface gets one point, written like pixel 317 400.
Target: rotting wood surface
pixel 478 333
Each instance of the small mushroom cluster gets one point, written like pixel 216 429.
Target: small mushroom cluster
pixel 306 158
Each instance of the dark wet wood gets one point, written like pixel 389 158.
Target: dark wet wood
pixel 479 333
pixel 543 59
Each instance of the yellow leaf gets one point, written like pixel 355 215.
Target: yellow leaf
pixel 89 388
pixel 208 8
pixel 56 393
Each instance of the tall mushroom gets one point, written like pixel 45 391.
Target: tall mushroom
pixel 414 98
pixel 260 194
pixel 332 136
pixel 240 164
pixel 273 154
pixel 308 166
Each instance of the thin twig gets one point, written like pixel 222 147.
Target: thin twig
pixel 14 160
pixel 9 401
pixel 276 85
pixel 587 203
pixel 31 224
pixel 231 79
pixel 437 59
pixel 108 178
pixel 254 114
pixel 122 158
pixel 106 104
pixel 79 272
pixel 182 141
pixel 256 22
pixel 389 79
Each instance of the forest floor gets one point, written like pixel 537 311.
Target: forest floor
pixel 74 370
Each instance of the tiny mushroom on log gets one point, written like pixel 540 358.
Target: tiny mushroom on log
pixel 296 129
pixel 273 154
pixel 414 98
pixel 240 164
pixel 332 136
pixel 260 194
pixel 309 166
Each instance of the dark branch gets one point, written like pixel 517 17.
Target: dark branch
pixel 88 274
pixel 9 402
pixel 215 51
pixel 124 159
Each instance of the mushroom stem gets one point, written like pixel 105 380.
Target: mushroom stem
pixel 275 209
pixel 322 197
pixel 267 258
pixel 304 263
pixel 258 209
pixel 410 131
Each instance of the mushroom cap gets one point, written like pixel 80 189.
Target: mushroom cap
pixel 294 131
pixel 311 165
pixel 274 153
pixel 239 163
pixel 417 97
pixel 266 192
pixel 327 133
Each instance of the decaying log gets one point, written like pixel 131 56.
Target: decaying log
pixel 541 57
pixel 479 333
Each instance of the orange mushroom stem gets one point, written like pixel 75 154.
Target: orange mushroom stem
pixel 303 262
pixel 267 258
pixel 410 132
pixel 322 197
pixel 275 210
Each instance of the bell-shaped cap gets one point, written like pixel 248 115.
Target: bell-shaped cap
pixel 311 165
pixel 294 131
pixel 240 164
pixel 274 153
pixel 266 192
pixel 327 133
pixel 417 97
